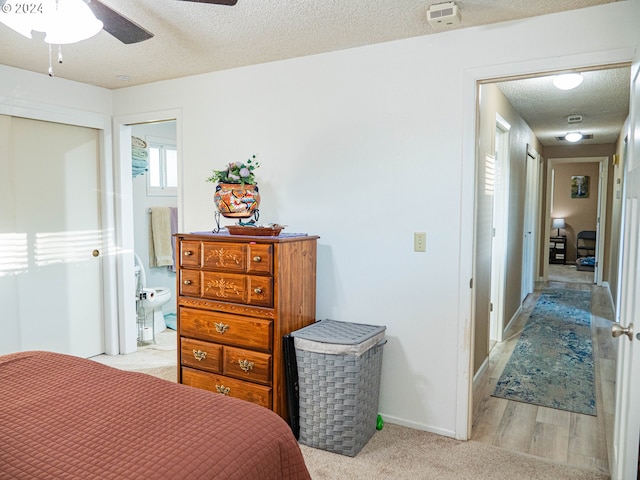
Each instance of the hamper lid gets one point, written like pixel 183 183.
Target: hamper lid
pixel 336 337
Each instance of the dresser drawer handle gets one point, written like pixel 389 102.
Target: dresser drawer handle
pixel 199 354
pixel 221 327
pixel 187 282
pixel 257 258
pixel 257 290
pixel 222 389
pixel 246 365
pixel 188 253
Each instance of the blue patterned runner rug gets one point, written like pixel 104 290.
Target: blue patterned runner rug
pixel 552 362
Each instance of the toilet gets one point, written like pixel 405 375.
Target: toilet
pixel 158 296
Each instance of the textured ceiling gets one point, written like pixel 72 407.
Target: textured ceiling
pixel 602 99
pixel 195 38
pixel 192 38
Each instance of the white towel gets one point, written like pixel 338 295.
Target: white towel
pixel 160 249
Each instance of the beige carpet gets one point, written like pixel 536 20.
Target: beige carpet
pixel 158 359
pixel 401 453
pixel 155 355
pixel 394 453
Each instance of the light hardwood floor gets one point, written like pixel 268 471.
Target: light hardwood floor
pixel 563 437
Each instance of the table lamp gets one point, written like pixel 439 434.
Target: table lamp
pixel 558 223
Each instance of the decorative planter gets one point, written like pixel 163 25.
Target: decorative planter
pixel 234 200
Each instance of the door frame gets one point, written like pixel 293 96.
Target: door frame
pixel 123 194
pixel 471 77
pixel 601 214
pixel 532 208
pixel 500 228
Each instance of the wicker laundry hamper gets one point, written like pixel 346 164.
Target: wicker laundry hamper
pixel 338 367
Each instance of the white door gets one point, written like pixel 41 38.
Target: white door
pixel 627 419
pixel 499 230
pixel 530 222
pixel 54 290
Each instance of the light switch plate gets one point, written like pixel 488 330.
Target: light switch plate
pixel 419 242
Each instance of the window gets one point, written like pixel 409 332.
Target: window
pixel 162 178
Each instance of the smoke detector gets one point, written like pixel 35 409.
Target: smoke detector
pixel 443 14
pixel 574 118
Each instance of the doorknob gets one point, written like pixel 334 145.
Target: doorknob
pixel 617 330
pixel 95 253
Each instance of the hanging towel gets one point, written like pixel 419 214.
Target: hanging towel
pixel 174 230
pixel 160 251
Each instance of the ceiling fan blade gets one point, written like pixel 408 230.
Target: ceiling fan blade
pixel 118 25
pixel 214 2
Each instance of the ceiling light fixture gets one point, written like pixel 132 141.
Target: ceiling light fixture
pixel 573 137
pixel 567 81
pixel 62 21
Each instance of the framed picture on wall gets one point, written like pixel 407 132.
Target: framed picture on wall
pixel 579 186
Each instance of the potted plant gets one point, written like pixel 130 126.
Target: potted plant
pixel 237 194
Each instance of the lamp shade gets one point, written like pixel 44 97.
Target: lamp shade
pixel 63 21
pixel 573 137
pixel 71 22
pixel 557 223
pixel 567 81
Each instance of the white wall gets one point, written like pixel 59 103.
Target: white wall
pixel 35 95
pixel 363 147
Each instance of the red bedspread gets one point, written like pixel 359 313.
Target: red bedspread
pixel 63 417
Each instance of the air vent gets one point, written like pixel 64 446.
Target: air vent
pixel 574 118
pixel 443 14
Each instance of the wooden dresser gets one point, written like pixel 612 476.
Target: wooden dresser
pixel 237 297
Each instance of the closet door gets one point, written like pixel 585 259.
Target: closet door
pixel 51 232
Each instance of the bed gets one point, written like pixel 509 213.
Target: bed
pixel 64 417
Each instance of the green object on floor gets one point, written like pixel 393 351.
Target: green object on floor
pixel 380 423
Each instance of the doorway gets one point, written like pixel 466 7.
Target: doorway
pixel 127 216
pixel 500 227
pixel 583 215
pixel 517 305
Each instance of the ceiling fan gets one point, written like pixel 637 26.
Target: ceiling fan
pixel 126 30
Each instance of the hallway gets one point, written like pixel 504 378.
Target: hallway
pixel 556 435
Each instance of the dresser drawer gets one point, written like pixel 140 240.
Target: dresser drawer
pixel 203 355
pixel 259 258
pixel 189 282
pixel 251 392
pixel 231 287
pixel 247 365
pixel 236 330
pixel 238 257
pixel 189 253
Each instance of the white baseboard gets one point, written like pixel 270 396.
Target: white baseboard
pixel 510 322
pixel 417 426
pixel 481 371
pixel 613 303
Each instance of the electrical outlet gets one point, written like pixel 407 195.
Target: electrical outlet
pixel 419 242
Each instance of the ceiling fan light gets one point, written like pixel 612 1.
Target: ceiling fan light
pixel 573 137
pixel 23 24
pixel 567 81
pixel 72 22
